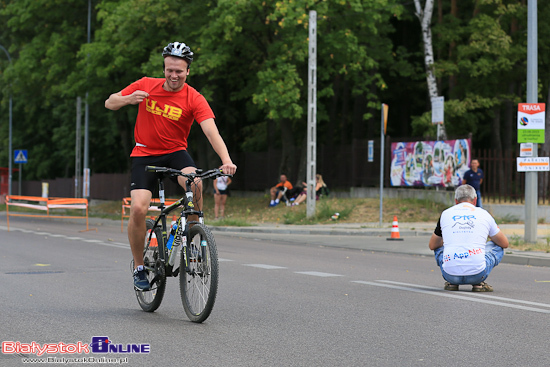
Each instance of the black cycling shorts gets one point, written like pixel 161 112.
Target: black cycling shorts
pixel 148 180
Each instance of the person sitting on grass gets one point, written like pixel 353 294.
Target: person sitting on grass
pixel 460 243
pixel 279 190
pixel 321 189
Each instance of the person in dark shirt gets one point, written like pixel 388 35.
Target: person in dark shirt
pixel 474 177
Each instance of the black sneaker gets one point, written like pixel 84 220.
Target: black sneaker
pixel 140 280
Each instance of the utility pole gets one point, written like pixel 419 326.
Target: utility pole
pixel 312 115
pixel 77 173
pixel 10 164
pixel 531 177
pixel 86 186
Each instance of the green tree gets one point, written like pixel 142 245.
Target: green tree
pixel 260 49
pixel 42 54
pixel 484 70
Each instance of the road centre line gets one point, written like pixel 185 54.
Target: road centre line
pixel 441 293
pixel 265 266
pixel 318 274
pixel 473 294
pixel 99 242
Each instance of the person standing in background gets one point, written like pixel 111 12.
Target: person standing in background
pixel 474 177
pixel 220 195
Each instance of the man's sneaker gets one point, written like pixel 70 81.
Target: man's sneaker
pixel 482 287
pixel 140 279
pixel 450 287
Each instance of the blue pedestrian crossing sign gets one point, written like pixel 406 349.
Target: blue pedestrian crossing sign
pixel 20 156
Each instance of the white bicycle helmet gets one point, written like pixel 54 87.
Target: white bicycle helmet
pixel 178 49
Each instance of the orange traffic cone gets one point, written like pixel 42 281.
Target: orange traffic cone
pixel 394 231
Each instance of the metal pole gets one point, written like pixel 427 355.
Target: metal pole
pixel 9 131
pixel 77 148
pixel 20 172
pixel 312 115
pixel 86 108
pixel 531 178
pixel 382 133
pixel 10 149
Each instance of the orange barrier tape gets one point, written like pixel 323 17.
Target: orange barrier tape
pixel 127 203
pixel 40 203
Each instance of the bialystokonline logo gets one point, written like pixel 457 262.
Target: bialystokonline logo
pixel 99 344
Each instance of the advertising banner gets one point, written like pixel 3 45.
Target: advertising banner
pixel 430 163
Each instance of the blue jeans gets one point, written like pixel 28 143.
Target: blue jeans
pixel 478 204
pixel 493 256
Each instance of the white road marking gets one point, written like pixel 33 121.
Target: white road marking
pixel 99 242
pixel 475 294
pixel 318 274
pixel 265 266
pixel 441 293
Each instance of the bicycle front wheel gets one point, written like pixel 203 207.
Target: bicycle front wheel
pixel 199 274
pixel 150 300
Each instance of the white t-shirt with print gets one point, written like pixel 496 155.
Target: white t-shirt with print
pixel 465 228
pixel 221 182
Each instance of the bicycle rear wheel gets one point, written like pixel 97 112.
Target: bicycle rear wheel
pixel 199 274
pixel 150 300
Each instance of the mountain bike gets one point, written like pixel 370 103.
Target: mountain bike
pixel 192 241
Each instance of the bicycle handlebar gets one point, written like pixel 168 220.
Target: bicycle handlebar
pixel 199 173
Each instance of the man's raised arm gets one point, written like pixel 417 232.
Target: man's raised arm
pixel 117 100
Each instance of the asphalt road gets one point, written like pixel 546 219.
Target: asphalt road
pixel 282 301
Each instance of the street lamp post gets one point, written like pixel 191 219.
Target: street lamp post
pixel 10 133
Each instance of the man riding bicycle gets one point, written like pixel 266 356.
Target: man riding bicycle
pixel 167 108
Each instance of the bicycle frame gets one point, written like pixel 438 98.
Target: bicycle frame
pixel 183 227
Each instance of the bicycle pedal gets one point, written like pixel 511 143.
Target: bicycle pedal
pixel 141 290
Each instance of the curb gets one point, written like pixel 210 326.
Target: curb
pixel 510 256
pixel 331 232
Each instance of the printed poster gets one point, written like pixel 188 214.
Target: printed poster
pixel 430 163
pixel 531 121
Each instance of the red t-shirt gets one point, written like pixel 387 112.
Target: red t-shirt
pixel 165 118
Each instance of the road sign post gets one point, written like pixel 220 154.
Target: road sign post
pixel 20 157
pixel 383 124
